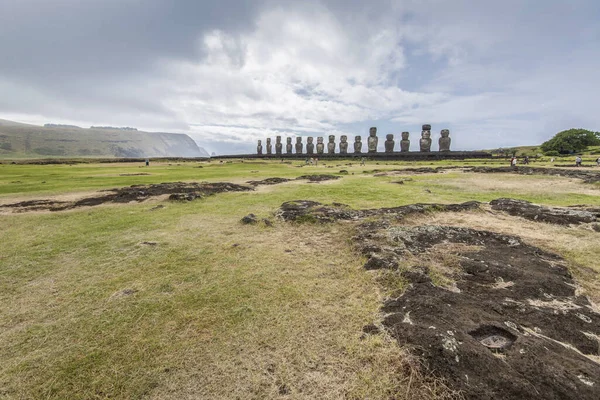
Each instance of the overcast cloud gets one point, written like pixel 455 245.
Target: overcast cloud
pixel 496 73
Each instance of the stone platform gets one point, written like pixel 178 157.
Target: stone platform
pixel 397 156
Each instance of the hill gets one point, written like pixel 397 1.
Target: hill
pixel 19 140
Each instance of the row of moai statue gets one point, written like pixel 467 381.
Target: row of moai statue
pixel 372 142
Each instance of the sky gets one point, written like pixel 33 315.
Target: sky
pixel 230 72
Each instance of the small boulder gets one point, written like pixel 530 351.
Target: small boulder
pixel 249 219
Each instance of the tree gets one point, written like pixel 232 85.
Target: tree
pixel 570 141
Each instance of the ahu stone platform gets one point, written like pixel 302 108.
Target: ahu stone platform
pixel 398 156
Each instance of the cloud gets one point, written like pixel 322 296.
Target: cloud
pixel 231 72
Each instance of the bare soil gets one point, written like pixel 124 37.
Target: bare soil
pixel 514 326
pixel 135 193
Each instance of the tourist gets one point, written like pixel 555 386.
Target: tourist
pixel 147 162
pixel 598 162
pixel 513 162
pixel 578 161
pixel 362 161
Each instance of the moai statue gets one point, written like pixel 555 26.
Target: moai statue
pixel 269 147
pixel 344 144
pixel 372 140
pixel 310 147
pixel 389 143
pixel 299 145
pixel 320 145
pixel 445 140
pixel 425 142
pixel 404 143
pixel 357 144
pixel 278 145
pixel 288 145
pixel 259 148
pixel 331 145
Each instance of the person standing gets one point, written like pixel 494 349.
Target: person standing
pixel 578 161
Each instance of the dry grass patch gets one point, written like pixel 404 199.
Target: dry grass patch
pixel 530 185
pixel 211 309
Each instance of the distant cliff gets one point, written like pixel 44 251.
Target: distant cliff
pixel 22 140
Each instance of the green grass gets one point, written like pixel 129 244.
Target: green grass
pixel 215 309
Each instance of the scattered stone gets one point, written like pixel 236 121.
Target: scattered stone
pixel 140 174
pixel 158 207
pixel 249 219
pixel 267 222
pixel 596 227
pixel 184 196
pixel 343 172
pixel 554 215
pixel 150 243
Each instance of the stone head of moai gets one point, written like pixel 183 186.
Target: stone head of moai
pixel 343 144
pixel 425 141
pixel 404 143
pixel 299 139
pixel 268 140
pixel 259 142
pixel 444 140
pixel 278 139
pixel 320 140
pixel 331 145
pixel 389 143
pixel 357 144
pixel 373 131
pixel 288 140
pixel 309 139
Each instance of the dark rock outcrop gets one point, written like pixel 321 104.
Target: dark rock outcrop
pixel 554 215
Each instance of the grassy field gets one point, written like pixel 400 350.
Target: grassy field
pixel 129 301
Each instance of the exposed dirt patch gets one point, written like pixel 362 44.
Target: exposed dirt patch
pixel 318 178
pixel 513 326
pixel 138 193
pixel 140 174
pixel 554 215
pixel 409 171
pixel 269 181
pixel 586 175
pixel 531 339
pixel 310 178
pixel 307 210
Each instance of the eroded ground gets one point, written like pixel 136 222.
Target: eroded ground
pixel 495 316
